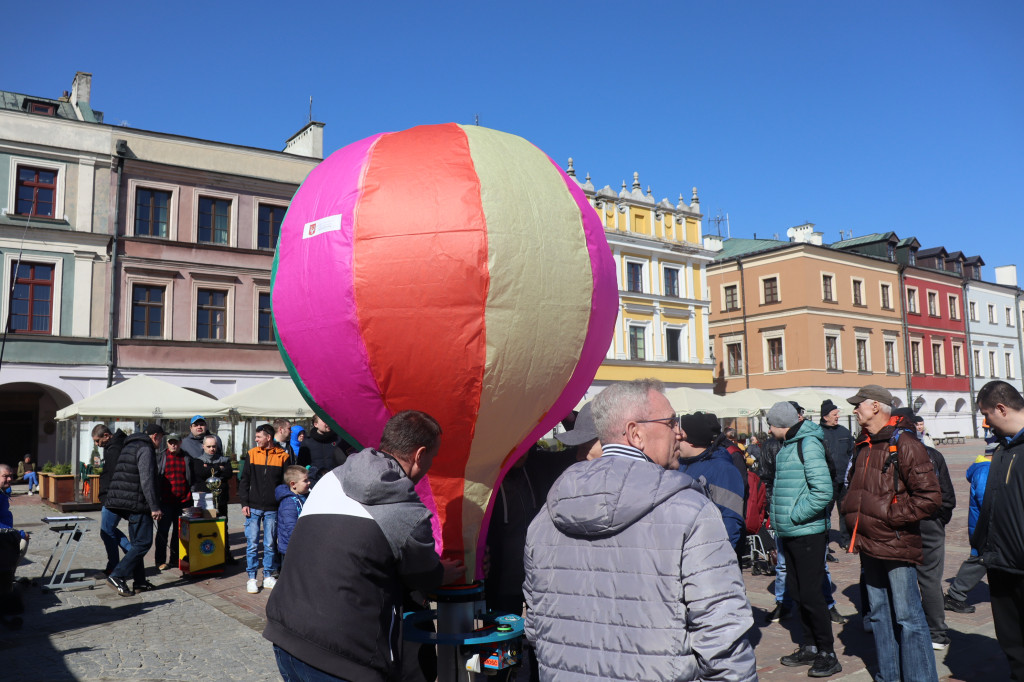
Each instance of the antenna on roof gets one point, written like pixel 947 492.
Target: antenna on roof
pixel 718 220
pixel 476 119
pixel 310 109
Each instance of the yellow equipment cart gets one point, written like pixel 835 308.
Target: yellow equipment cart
pixel 201 545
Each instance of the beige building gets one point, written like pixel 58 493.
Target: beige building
pixel 789 315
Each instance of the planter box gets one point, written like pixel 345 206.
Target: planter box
pixel 59 487
pixel 44 485
pixel 94 488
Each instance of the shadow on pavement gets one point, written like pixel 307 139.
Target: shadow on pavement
pixel 972 656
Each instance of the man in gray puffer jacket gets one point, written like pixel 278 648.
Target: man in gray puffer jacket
pixel 629 570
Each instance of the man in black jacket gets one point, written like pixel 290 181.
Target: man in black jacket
pixel 839 445
pixel 999 535
pixel 112 537
pixel 320 450
pixel 133 495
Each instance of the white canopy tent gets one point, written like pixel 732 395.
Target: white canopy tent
pixel 273 398
pixel 143 397
pixel 685 400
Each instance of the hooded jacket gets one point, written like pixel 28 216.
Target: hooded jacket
pixel 977 475
pixel 363 539
pixel 802 489
pixel 999 535
pixel 133 488
pixel 289 506
pixel 884 507
pixel 724 486
pixel 630 575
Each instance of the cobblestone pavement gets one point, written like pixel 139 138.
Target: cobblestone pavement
pixel 209 628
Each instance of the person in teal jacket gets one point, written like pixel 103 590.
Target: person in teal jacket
pixel 800 496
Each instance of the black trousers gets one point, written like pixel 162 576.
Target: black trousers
pixel 805 571
pixel 1006 591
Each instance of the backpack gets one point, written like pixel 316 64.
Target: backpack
pixel 757 503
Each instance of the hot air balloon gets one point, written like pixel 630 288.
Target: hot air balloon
pixel 454 270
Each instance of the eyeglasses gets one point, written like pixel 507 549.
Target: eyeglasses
pixel 671 422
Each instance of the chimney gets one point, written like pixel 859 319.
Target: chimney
pixel 1006 274
pixel 81 91
pixel 804 234
pixel 309 141
pixel 712 242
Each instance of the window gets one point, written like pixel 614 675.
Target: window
pixel 731 298
pixel 886 297
pixel 862 355
pixel 933 304
pixel 264 319
pixel 991 314
pixel 937 368
pixel 890 357
pixel 954 308
pixel 269 225
pixel 1009 365
pixel 214 220
pixel 912 258
pixel 211 315
pixel 775 361
pixel 734 353
pixel 672 345
pixel 36 192
pixel 41 108
pixel 992 364
pixel 832 352
pixel 891 252
pixel 635 277
pixel 771 290
pixel 636 343
pixel 672 282
pixel 32 299
pixel 972 306
pixel 911 300
pixel 858 292
pixel 958 367
pixel 979 371
pixel 152 212
pixel 915 357
pixel 826 289
pixel 1009 318
pixel 147 311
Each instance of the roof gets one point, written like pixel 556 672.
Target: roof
pixel 908 241
pixel 974 260
pixel 933 252
pixel 13 101
pixel 865 239
pixel 735 247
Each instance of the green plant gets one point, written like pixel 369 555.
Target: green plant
pixel 48 468
pixel 62 469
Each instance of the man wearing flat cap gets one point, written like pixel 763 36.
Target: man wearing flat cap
pixel 892 488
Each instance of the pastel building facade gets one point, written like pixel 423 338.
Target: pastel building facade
pixel 661 329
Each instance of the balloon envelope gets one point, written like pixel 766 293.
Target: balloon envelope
pixel 449 269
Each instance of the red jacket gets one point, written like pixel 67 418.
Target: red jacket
pixel 884 510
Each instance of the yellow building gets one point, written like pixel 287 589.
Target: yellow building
pixel 661 329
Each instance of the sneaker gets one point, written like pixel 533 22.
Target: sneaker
pixel 251 587
pixel 805 655
pixel 164 566
pixel 144 586
pixel 956 605
pixel 831 557
pixel 121 586
pixel 268 583
pixel 825 664
pixel 837 617
pixel 30 493
pixel 940 642
pixel 776 615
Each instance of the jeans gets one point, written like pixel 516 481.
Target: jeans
pixel 252 547
pixel 294 670
pixel 970 574
pixel 33 480
pixel 113 538
pixel 1007 591
pixel 892 591
pixel 167 525
pixel 805 576
pixel 140 533
pixel 781 596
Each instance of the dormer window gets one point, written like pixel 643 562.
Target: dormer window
pixel 913 258
pixel 892 253
pixel 41 108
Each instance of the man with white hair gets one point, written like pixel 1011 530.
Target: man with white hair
pixel 892 488
pixel 629 570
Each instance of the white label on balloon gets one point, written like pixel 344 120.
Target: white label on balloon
pixel 329 224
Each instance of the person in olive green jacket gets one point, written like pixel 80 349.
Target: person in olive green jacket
pixel 800 496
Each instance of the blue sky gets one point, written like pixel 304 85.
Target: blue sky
pixel 866 116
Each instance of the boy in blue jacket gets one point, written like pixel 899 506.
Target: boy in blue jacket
pixel 291 495
pixel 971 570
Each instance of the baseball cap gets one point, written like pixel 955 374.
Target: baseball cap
pixel 153 429
pixel 871 392
pixel 197 418
pixel 173 436
pixel 583 431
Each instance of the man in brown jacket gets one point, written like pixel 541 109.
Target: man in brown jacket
pixel 892 487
